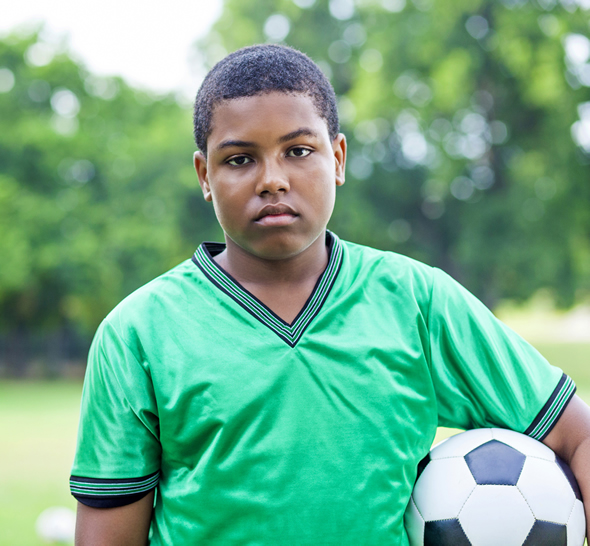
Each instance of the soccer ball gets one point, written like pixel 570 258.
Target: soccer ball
pixel 494 487
pixel 56 525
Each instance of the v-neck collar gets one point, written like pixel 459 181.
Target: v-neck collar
pixel 289 333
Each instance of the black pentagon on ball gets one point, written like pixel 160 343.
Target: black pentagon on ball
pixel 570 476
pixel 495 463
pixel 545 533
pixel 445 532
pixel 423 464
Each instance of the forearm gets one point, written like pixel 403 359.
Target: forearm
pixel 580 465
pixel 570 439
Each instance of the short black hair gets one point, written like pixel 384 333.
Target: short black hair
pixel 259 69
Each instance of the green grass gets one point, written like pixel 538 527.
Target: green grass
pixel 573 359
pixel 38 422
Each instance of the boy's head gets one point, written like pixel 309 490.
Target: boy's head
pixel 270 156
pixel 261 69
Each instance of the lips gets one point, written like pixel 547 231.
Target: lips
pixel 276 216
pixel 278 209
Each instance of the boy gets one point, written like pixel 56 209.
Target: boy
pixel 282 388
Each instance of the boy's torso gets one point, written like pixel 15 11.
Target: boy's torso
pixel 308 438
pixel 308 433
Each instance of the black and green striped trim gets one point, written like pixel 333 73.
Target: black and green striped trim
pixel 552 410
pixel 103 493
pixel 289 333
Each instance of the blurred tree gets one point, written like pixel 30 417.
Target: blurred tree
pixel 460 116
pixel 469 132
pixel 97 191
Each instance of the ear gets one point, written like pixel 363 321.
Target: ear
pixel 201 167
pixel 339 147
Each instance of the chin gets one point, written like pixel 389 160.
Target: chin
pixel 281 248
pixel 276 253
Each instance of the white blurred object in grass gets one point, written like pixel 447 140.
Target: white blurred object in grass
pixel 56 525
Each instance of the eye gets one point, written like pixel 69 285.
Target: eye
pixel 298 152
pixel 239 160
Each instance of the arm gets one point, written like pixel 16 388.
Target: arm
pixel 570 439
pixel 127 525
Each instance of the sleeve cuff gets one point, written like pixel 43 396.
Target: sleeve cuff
pixel 552 410
pixel 111 493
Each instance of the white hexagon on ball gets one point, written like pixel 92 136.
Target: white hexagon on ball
pixel 576 526
pixel 414 524
pixel 551 499
pixel 508 523
pixel 454 483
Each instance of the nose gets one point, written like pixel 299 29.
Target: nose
pixel 272 179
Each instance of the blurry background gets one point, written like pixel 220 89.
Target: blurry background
pixel 469 135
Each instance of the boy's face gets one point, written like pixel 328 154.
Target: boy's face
pixel 271 173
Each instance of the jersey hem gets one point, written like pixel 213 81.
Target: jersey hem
pixel 114 502
pixel 110 493
pixel 552 410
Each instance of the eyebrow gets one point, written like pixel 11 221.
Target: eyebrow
pixel 303 131
pixel 236 143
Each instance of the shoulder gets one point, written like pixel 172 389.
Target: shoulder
pixel 390 265
pixel 156 301
pixel 386 278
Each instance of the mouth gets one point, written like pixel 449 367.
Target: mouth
pixel 276 215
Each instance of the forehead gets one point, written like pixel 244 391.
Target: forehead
pixel 264 116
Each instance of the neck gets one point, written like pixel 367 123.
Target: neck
pixel 248 269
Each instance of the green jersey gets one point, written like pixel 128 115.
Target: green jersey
pixel 256 431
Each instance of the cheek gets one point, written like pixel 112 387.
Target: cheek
pixel 322 177
pixel 325 183
pixel 323 200
pixel 231 202
pixel 222 202
pixel 224 192
pixel 330 199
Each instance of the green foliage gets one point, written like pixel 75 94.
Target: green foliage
pixel 97 194
pixel 459 117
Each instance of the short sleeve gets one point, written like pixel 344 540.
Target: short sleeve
pixel 486 375
pixel 118 451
